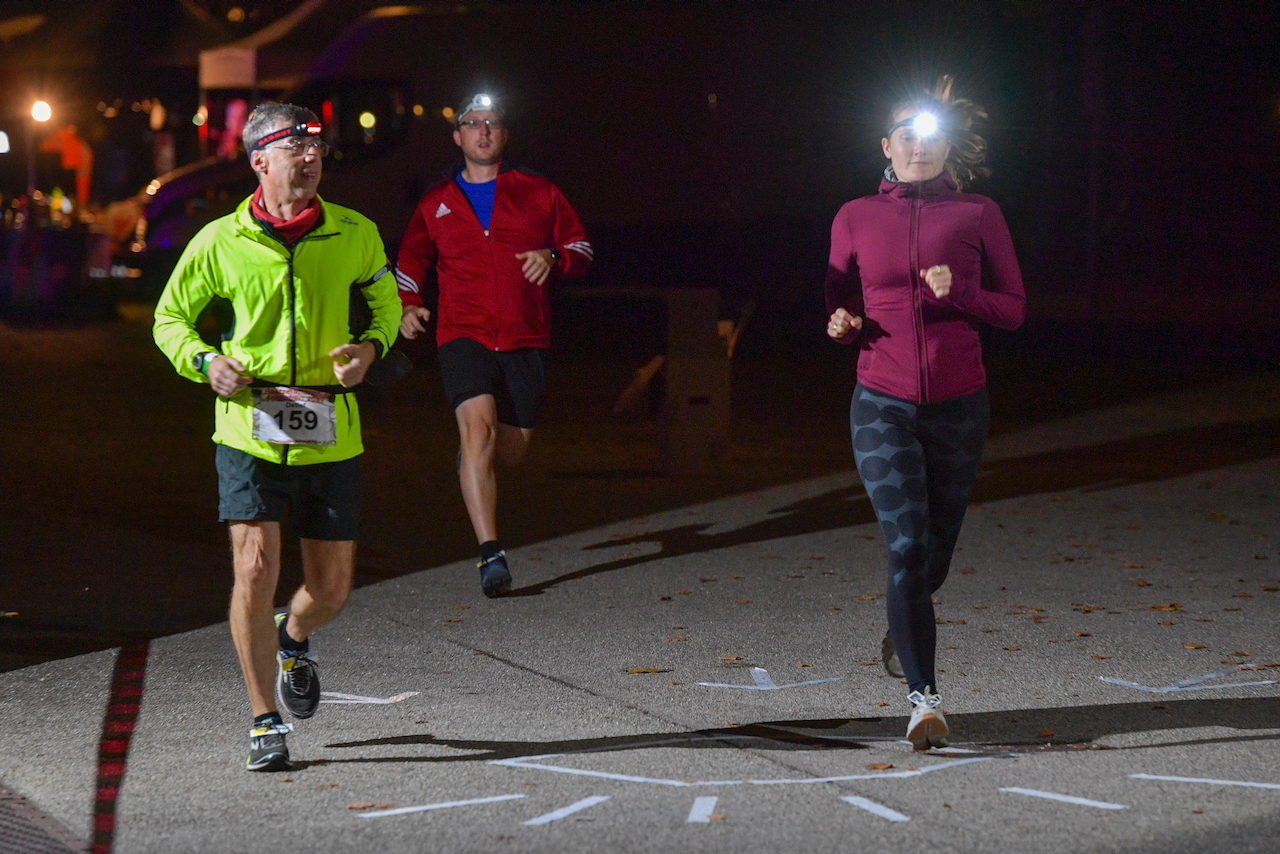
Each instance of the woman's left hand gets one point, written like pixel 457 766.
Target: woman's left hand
pixel 938 278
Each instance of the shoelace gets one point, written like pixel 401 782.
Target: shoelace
pixel 931 701
pixel 300 676
pixel 272 729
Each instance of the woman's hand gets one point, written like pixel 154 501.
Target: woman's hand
pixel 938 278
pixel 842 323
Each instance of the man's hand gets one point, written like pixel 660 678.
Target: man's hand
pixel 537 265
pixel 938 278
pixel 413 319
pixel 226 376
pixel 359 357
pixel 842 323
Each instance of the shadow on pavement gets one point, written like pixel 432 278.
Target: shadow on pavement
pixel 1103 466
pixel 1074 728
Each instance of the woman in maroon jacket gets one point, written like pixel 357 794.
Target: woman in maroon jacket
pixel 933 262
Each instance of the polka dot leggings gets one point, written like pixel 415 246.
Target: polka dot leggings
pixel 918 463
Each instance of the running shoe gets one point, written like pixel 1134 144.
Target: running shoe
pixel 495 578
pixel 297 683
pixel 267 749
pixel 928 726
pixel 889 656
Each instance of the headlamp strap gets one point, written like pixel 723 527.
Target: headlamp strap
pixel 300 129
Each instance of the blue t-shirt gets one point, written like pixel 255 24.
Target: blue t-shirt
pixel 481 198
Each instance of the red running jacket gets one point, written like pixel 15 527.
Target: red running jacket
pixel 484 295
pixel 914 346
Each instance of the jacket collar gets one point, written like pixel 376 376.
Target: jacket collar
pixel 934 187
pixel 328 224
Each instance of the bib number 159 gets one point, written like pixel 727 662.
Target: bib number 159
pixel 294 416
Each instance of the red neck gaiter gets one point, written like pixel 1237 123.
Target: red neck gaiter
pixel 290 229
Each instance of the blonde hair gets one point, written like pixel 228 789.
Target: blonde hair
pixel 957 117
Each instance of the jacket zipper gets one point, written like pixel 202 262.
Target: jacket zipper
pixel 293 341
pixel 917 294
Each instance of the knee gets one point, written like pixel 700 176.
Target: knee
pixel 332 597
pixel 478 433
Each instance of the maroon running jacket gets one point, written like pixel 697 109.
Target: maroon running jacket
pixel 914 346
pixel 484 295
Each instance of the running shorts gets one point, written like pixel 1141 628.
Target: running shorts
pixel 515 378
pixel 323 498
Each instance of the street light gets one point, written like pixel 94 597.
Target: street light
pixel 40 112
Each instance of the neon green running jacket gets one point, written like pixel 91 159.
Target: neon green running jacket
pixel 292 306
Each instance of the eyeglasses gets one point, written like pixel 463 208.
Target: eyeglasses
pixel 298 147
pixel 475 124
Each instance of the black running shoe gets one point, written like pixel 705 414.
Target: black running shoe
pixel 267 750
pixel 495 578
pixel 889 655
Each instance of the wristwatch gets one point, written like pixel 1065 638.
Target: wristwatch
pixel 201 361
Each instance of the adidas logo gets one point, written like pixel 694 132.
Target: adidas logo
pixel 442 210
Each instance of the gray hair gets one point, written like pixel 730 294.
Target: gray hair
pixel 268 116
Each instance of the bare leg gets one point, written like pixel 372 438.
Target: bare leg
pixel 327 569
pixel 255 549
pixel 484 440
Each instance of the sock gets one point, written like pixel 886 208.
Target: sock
pixel 489 549
pixel 287 643
pixel 269 719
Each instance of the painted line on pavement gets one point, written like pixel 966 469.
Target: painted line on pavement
pixel 892 775
pixel 764 682
pixel 873 807
pixel 349 699
pixel 1192 684
pixel 444 806
pixel 569 810
pixel 1066 799
pixel 700 812
pixel 1207 781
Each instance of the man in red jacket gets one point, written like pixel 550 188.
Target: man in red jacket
pixel 495 234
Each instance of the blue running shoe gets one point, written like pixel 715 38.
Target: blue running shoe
pixel 495 578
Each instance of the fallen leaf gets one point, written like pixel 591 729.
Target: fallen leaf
pixel 880 766
pixel 1241 654
pixel 1194 646
pixel 283 780
pixel 833 609
pixel 1198 812
pixel 870 663
pixel 1128 564
pixel 731 658
pixel 1267 589
pixel 678 628
pixel 966 570
pixel 735 577
pixel 987 631
pixel 955 622
pixel 706 580
pixel 1166 622
pixel 1203 620
pixel 1168 606
pixel 675 683
pixel 461 607
pixel 810 665
pixel 384 806
pixel 453 619
pixel 1259 557
pixel 715 816
pixel 1243 596
pixel 1141 583
pixel 684 592
pixel 1231 609
pixel 650 670
pixel 325 786
pixel 670 640
pixel 882 704
pixel 1011 648
pixel 744 601
pixel 864 598
pixel 667 599
pixel 362 805
pixel 1082 634
pixel 1045 733
pixel 1102 657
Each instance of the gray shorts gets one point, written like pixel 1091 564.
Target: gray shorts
pixel 323 498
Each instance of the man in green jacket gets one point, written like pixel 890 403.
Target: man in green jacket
pixel 286 425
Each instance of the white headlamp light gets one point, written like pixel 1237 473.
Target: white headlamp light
pixel 924 124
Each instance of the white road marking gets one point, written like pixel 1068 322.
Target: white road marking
pixel 1066 799
pixel 700 812
pixel 764 682
pixel 569 810
pixel 1205 780
pixel 352 699
pixel 873 807
pixel 425 807
pixel 530 763
pixel 1192 684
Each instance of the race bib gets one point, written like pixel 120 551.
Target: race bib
pixel 294 416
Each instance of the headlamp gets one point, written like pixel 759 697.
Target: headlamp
pixel 479 101
pixel 924 124
pixel 303 129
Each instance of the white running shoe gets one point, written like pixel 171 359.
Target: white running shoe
pixel 928 726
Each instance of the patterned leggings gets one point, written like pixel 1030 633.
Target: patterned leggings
pixel 918 463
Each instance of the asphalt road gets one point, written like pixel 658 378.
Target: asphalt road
pixel 1112 556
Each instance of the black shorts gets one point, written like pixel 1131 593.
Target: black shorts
pixel 515 378
pixel 323 498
